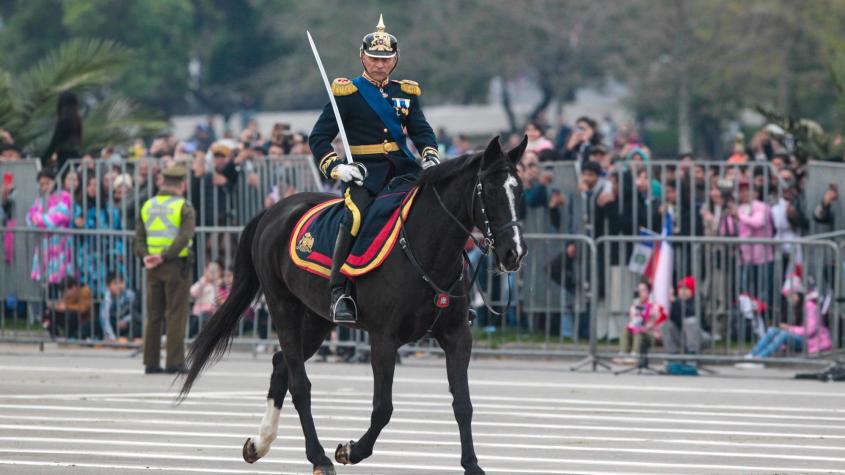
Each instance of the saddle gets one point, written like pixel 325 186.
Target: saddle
pixel 313 238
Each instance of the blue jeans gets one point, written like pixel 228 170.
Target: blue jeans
pixel 774 339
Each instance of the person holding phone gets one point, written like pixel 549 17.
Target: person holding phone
pixel 585 136
pixel 825 212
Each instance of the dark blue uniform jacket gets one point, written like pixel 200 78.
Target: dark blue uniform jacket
pixel 364 127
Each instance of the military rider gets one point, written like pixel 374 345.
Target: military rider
pixel 377 115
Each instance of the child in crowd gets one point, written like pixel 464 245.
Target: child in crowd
pixel 684 333
pixel 225 287
pixel 812 335
pixel 119 306
pixel 204 292
pixel 643 318
pixel 72 312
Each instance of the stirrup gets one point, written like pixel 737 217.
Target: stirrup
pixel 352 304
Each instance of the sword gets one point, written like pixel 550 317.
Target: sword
pixel 331 99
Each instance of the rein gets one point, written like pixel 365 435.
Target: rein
pixel 486 245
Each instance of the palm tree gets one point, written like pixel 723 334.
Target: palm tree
pixel 88 67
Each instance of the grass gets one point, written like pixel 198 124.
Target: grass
pixel 12 324
pixel 511 337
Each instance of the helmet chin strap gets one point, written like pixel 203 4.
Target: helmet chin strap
pixel 361 57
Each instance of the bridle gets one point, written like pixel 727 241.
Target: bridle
pixel 486 245
pixel 488 241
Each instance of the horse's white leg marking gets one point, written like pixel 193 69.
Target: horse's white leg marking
pixel 268 430
pixel 510 185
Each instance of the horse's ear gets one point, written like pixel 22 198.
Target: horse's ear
pixel 516 153
pixel 492 152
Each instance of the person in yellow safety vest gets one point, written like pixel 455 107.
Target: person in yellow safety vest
pixel 163 238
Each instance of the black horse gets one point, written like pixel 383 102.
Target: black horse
pixel 395 304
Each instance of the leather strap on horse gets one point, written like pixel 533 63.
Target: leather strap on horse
pixel 405 244
pixel 485 245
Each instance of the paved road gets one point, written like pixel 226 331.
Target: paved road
pixel 92 411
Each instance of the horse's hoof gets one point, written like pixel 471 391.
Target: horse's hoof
pixel 325 470
pixel 343 453
pixel 250 454
pixel 475 471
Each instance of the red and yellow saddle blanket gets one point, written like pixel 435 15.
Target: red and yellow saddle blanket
pixel 313 239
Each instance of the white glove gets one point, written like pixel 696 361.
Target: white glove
pixel 346 173
pixel 429 161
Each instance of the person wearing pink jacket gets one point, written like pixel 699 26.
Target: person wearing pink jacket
pixel 812 335
pixel 751 219
pixel 51 210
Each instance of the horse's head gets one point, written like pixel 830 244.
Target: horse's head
pixel 499 197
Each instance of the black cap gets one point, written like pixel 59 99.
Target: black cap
pixel 598 149
pixel 46 173
pixel 10 146
pixel 590 166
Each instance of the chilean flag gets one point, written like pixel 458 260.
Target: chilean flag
pixel 659 268
pixel 641 254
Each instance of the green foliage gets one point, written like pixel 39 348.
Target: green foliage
pixel 39 22
pixel 28 100
pixel 811 141
pixel 691 65
pixel 159 33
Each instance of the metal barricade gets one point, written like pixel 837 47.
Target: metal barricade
pixel 736 300
pixel 546 307
pixel 85 262
pixel 19 179
pixel 643 190
pixel 556 294
pixel 61 296
pixel 118 188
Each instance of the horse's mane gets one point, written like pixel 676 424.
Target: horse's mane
pixel 448 169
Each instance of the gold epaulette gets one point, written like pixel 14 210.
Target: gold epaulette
pixel 410 87
pixel 343 87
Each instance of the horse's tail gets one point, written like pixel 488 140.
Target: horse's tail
pixel 216 336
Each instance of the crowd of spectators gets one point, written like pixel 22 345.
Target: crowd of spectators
pixel 104 190
pixel 757 191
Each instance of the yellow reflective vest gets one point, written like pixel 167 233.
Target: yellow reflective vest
pixel 162 216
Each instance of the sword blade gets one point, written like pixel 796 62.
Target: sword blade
pixel 340 128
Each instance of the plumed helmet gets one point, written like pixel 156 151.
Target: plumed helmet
pixel 380 44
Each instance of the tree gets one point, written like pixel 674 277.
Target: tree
pixel 35 20
pixel 693 65
pixel 234 43
pixel 88 67
pixel 159 33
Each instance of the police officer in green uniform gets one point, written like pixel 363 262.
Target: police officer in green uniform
pixel 164 242
pixel 376 114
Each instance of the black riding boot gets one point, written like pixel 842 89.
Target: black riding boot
pixel 342 305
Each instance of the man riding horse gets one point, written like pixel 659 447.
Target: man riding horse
pixel 376 113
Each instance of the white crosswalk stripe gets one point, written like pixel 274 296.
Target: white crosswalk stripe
pixel 103 416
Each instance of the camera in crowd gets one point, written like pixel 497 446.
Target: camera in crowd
pixel 726 188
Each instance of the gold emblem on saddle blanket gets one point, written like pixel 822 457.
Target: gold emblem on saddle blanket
pixel 306 242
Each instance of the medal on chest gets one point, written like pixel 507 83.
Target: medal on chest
pixel 402 106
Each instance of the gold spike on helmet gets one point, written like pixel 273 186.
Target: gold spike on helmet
pixel 380 44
